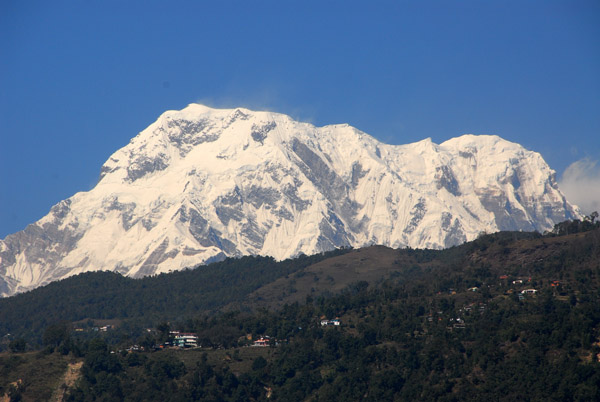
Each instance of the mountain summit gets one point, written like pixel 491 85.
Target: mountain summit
pixel 202 184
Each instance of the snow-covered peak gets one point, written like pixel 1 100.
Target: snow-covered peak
pixel 488 144
pixel 200 184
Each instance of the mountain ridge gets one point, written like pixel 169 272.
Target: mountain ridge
pixel 202 184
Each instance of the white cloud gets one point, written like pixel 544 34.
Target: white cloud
pixel 581 184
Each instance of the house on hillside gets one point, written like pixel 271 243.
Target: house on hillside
pixel 263 341
pixel 529 291
pixel 185 340
pixel 335 322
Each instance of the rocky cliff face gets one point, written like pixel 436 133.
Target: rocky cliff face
pixel 202 184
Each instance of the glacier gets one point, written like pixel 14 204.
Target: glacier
pixel 202 184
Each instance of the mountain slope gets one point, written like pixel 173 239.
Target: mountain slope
pixel 202 184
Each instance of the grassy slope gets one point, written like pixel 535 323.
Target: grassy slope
pixel 39 374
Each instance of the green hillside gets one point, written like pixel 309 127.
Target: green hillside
pixel 510 316
pixel 138 303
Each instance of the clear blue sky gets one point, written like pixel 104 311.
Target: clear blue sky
pixel 78 79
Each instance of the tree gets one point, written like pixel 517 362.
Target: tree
pixel 58 335
pixel 259 363
pixel 98 357
pixel 17 345
pixel 164 330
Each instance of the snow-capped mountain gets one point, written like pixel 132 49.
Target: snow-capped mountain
pixel 202 184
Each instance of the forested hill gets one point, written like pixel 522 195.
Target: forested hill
pixel 249 283
pixel 145 301
pixel 510 316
